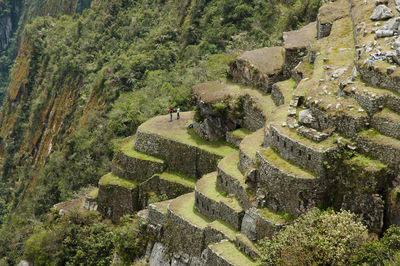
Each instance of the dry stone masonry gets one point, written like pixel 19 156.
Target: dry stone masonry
pixel 314 123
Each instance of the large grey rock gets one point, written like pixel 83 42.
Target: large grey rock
pixel 381 12
pixel 159 256
pixel 24 263
pixel 306 117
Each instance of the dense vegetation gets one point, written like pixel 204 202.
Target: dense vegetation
pixel 127 61
pixel 330 238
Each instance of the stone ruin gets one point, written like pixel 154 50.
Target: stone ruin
pixel 314 123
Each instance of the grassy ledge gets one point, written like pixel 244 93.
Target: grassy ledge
pixel 179 178
pixel 184 206
pixel 366 163
pixel 127 147
pixel 207 185
pixel 275 217
pixel 224 227
pixel 229 165
pixel 228 251
pixel 162 206
pixel 241 133
pixel 93 194
pixel 111 179
pixel 374 136
pixel 177 130
pixel 275 159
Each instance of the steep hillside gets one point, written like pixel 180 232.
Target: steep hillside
pixel 82 82
pixel 14 15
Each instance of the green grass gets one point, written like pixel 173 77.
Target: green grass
pixel 111 179
pixel 94 193
pixel 224 227
pixel 127 147
pixel 252 143
pixel 229 252
pixel 367 163
pixel 241 133
pixel 374 136
pixel 162 206
pixel 207 185
pixel 179 178
pixel 229 165
pixel 275 217
pixel 320 146
pixel 184 206
pixel 275 159
pixel 178 131
pixel 390 115
pixel 286 87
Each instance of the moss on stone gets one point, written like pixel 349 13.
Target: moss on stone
pixel 241 133
pixel 275 217
pixel 285 166
pixel 207 186
pixel 162 206
pixel 94 193
pixel 225 228
pixel 178 178
pixel 127 147
pixel 111 179
pixel 374 136
pixel 178 130
pixel 229 252
pixel 184 207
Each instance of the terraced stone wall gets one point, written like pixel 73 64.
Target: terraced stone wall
pixel 116 201
pixel 256 227
pixel 296 152
pixel 288 193
pixel 186 159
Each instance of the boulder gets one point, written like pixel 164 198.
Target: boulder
pixel 159 255
pixel 306 117
pixel 381 12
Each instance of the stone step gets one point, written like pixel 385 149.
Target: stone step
pixel 232 181
pixel 259 68
pixel 214 204
pixel 300 150
pixel 235 137
pixel 247 150
pixel 264 222
pixel 184 229
pixel 134 165
pixel 246 246
pixel 225 253
pixel 282 91
pixel 380 147
pixel 180 147
pixel 117 196
pixel 290 189
pixel 387 123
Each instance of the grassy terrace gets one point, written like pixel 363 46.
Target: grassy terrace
pixel 228 251
pixel 320 146
pixel 275 217
pixel 127 147
pixel 179 178
pixel 252 143
pixel 389 115
pixel 229 165
pixel 184 206
pixel 162 206
pixel 275 159
pixel 374 136
pixel 286 88
pixel 177 130
pixel 366 163
pixel 207 185
pixel 111 179
pixel 225 228
pixel 241 133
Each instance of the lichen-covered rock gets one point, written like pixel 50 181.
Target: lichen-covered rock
pixel 159 255
pixel 381 12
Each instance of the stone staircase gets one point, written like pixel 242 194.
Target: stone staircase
pixel 305 130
